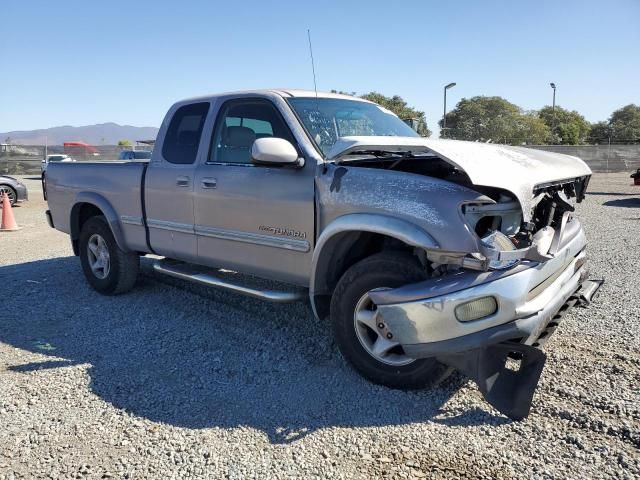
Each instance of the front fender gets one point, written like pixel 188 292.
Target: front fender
pixel 397 228
pixel 100 202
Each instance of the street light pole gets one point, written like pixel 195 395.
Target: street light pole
pixel 444 115
pixel 553 111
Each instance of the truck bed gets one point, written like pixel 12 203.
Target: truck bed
pixel 116 183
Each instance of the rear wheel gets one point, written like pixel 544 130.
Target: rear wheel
pixel 107 268
pixel 363 338
pixel 11 193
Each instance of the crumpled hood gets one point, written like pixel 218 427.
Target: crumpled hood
pixel 516 169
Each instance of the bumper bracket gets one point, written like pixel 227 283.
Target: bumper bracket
pixel 588 291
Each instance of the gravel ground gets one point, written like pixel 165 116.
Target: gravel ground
pixel 174 381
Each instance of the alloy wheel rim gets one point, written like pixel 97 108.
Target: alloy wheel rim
pixel 98 256
pixel 10 194
pixel 375 337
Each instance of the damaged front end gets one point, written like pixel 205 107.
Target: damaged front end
pixel 506 236
pixel 508 258
pixel 487 313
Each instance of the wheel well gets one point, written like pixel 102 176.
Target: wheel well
pixel 79 215
pixel 344 250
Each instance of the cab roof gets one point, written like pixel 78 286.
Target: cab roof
pixel 283 92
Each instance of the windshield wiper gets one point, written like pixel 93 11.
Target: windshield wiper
pixel 380 153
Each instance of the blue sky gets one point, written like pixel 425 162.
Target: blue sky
pixel 84 62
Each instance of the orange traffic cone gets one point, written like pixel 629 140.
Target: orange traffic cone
pixel 8 222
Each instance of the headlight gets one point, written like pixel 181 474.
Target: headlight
pixel 499 242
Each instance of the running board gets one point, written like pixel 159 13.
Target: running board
pixel 181 271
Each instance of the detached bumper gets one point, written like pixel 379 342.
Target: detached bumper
pixel 422 315
pixel 530 298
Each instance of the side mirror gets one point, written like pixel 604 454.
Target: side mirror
pixel 275 151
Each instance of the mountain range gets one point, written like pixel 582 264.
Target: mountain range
pixel 99 134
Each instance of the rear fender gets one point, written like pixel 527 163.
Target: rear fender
pixel 102 204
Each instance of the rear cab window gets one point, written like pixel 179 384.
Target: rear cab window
pixel 181 141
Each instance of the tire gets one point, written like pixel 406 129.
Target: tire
pixel 395 370
pixel 119 273
pixel 44 185
pixel 13 195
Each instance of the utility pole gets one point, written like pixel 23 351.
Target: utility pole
pixel 553 112
pixel 444 115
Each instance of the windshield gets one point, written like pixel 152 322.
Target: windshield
pixel 327 119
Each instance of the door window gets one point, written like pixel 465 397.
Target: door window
pixel 239 124
pixel 183 135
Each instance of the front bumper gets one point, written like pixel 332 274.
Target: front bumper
pixel 421 316
pixel 531 299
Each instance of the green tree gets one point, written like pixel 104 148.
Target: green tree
pixel 398 106
pixel 570 128
pixel 124 143
pixel 599 132
pixel 494 119
pixel 625 124
pixel 529 129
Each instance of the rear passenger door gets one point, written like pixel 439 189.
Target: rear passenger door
pixel 169 185
pixel 253 218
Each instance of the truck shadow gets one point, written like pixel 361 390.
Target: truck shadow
pixel 623 202
pixel 197 359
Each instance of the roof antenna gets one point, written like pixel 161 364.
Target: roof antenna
pixel 315 88
pixel 313 67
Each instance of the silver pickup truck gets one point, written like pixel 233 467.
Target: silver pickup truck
pixel 425 254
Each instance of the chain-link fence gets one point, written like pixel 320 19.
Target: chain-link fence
pixel 600 158
pixel 28 159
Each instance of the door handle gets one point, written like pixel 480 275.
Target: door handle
pixel 182 181
pixel 209 182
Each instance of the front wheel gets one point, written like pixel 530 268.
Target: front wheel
pixel 107 268
pixel 363 338
pixel 11 193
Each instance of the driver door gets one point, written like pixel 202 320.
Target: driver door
pixel 253 218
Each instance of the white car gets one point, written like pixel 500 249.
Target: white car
pixel 59 157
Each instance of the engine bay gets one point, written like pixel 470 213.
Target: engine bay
pixel 550 202
pixel 505 236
